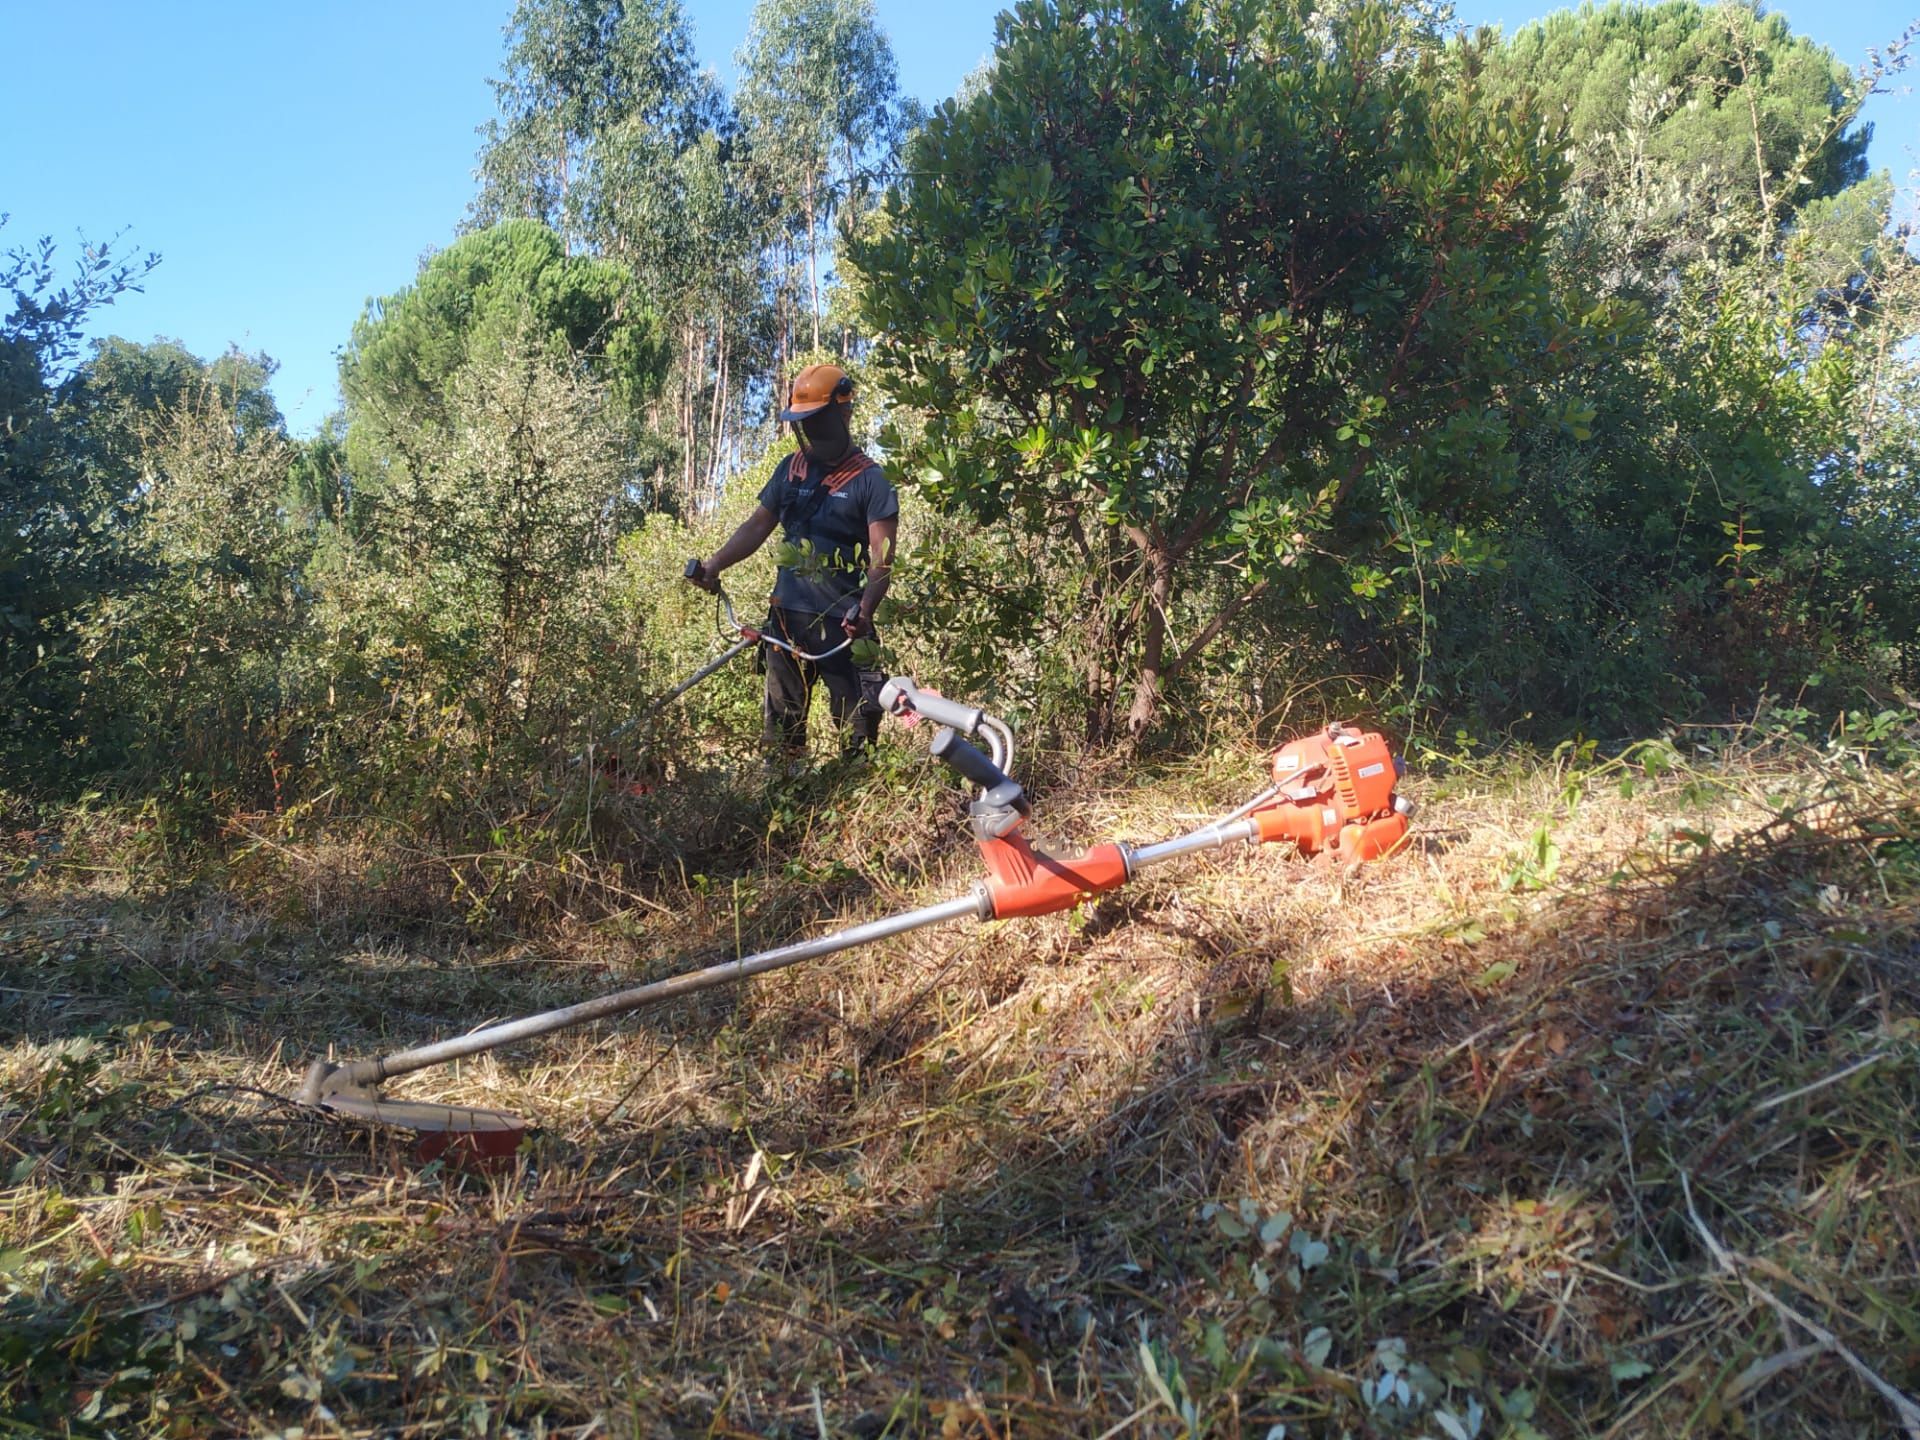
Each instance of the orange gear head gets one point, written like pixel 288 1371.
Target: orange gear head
pixel 815 388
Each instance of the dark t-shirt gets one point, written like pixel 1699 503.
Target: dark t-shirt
pixel 830 529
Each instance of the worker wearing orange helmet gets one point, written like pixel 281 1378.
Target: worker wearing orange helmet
pixel 839 517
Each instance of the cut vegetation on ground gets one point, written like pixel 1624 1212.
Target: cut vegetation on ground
pixel 1594 1114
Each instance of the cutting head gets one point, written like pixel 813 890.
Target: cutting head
pixel 487 1134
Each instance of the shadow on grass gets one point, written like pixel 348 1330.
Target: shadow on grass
pixel 1469 1186
pixel 1152 1179
pixel 1457 1189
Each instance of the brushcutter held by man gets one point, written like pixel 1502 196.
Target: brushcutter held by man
pixel 748 637
pixel 839 522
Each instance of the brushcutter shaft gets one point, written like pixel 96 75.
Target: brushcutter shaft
pixel 701 674
pixel 970 906
pixel 672 695
pixel 1209 837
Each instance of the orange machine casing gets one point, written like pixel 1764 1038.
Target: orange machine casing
pixel 1027 883
pixel 1336 795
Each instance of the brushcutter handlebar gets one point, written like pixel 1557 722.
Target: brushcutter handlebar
pixel 695 573
pixel 791 649
pixel 971 764
pixel 902 691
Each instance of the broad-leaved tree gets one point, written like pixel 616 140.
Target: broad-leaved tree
pixel 1220 299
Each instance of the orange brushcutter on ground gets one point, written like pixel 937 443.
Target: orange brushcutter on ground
pixel 1332 796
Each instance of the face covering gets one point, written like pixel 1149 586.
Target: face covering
pixel 825 434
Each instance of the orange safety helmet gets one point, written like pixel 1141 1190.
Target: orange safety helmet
pixel 815 388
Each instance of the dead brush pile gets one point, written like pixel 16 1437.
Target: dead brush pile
pixel 1594 1114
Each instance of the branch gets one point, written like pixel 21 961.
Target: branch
pixel 1903 1407
pixel 1212 628
pixel 1194 531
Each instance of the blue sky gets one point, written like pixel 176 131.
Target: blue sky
pixel 290 161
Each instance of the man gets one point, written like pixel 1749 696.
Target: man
pixel 839 517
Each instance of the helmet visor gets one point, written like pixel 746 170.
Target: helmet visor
pixel 800 412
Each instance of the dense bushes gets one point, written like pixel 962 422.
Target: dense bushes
pixel 1226 299
pixel 1215 378
pixel 1588 436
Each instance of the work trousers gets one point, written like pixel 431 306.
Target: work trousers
pixel 853 694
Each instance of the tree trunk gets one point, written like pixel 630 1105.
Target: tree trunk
pixel 1100 690
pixel 813 261
pixel 785 327
pixel 1153 645
pixel 1104 633
pixel 695 365
pixel 717 412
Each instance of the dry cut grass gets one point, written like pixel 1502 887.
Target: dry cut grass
pixel 1592 1115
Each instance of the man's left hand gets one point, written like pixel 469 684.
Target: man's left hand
pixel 856 625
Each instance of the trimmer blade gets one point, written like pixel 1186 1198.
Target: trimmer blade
pixel 458 1132
pixel 425 1116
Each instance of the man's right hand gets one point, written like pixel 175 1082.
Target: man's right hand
pixel 702 574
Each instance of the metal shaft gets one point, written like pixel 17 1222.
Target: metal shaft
pixel 976 904
pixel 705 670
pixel 677 691
pixel 1208 837
pixel 372 1072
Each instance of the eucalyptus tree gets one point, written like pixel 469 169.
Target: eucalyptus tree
pixel 611 133
pixel 688 227
pixel 583 78
pixel 820 107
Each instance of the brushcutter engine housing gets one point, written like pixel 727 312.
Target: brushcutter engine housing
pixel 1334 794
